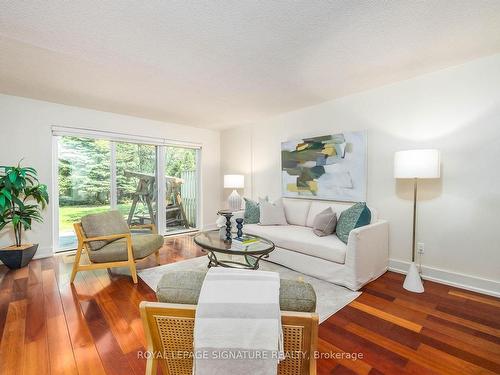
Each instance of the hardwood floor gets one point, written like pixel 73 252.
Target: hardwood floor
pixel 48 326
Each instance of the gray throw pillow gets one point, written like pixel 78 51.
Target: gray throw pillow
pixel 325 222
pixel 272 213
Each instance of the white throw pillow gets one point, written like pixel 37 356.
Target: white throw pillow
pixel 272 213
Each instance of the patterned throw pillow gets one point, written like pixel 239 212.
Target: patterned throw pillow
pixel 252 211
pixel 354 217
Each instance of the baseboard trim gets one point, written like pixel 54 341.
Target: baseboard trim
pixel 459 280
pixel 44 252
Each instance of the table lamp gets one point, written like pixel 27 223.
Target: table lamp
pixel 234 181
pixel 416 164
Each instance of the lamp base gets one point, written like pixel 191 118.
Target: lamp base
pixel 234 201
pixel 413 282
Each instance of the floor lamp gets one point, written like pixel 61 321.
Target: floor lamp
pixel 415 164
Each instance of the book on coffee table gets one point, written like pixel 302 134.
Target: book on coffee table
pixel 245 239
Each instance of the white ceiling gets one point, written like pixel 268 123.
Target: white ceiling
pixel 217 64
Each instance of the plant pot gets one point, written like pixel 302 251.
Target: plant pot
pixel 16 257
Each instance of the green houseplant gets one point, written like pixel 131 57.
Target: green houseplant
pixel 22 198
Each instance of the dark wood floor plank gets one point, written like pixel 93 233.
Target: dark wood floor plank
pixel 492 301
pixel 119 327
pixel 472 333
pixel 112 357
pixel 325 361
pixel 463 350
pixel 5 295
pixel 448 317
pixel 456 334
pixel 62 360
pixel 457 365
pixel 86 355
pixel 375 355
pixel 443 363
pixel 36 337
pixel 12 359
pixel 384 313
pixel 382 327
pixel 94 326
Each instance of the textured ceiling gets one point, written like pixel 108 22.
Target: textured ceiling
pixel 217 64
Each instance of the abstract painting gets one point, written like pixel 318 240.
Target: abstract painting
pixel 329 167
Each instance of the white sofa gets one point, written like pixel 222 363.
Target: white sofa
pixel 363 259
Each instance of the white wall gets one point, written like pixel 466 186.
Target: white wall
pixel 25 126
pixel 456 110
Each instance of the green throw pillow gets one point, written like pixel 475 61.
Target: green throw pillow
pixel 252 211
pixel 354 217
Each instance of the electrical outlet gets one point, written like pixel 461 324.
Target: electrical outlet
pixel 420 248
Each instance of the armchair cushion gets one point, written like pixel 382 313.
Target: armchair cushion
pixel 180 287
pixel 116 251
pixel 103 224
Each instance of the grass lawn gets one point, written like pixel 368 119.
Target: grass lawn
pixel 71 214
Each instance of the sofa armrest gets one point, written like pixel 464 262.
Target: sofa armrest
pixel 368 252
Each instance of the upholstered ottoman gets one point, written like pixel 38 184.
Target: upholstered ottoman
pixel 184 287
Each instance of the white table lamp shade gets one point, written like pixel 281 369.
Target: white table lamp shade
pixel 234 181
pixel 417 164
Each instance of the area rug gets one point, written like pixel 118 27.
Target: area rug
pixel 330 297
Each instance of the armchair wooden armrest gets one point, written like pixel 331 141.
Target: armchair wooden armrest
pixel 106 238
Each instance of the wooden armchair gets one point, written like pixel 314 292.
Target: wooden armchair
pixel 169 330
pixel 107 249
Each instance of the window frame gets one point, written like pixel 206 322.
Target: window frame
pixel 113 137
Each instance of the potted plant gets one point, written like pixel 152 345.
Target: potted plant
pixel 22 198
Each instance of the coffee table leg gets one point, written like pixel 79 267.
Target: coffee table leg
pixel 213 262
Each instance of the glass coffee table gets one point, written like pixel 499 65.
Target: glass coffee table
pixel 217 248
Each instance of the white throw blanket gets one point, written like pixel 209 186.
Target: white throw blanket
pixel 238 323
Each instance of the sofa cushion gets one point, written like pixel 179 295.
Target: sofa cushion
pixel 296 211
pixel 184 287
pixel 356 216
pixel 337 207
pixel 103 224
pixel 142 246
pixel 301 239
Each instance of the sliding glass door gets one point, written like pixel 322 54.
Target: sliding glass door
pixel 84 183
pixel 136 189
pixel 181 174
pixel 95 175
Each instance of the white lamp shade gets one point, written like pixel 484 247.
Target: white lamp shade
pixel 417 164
pixel 234 181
